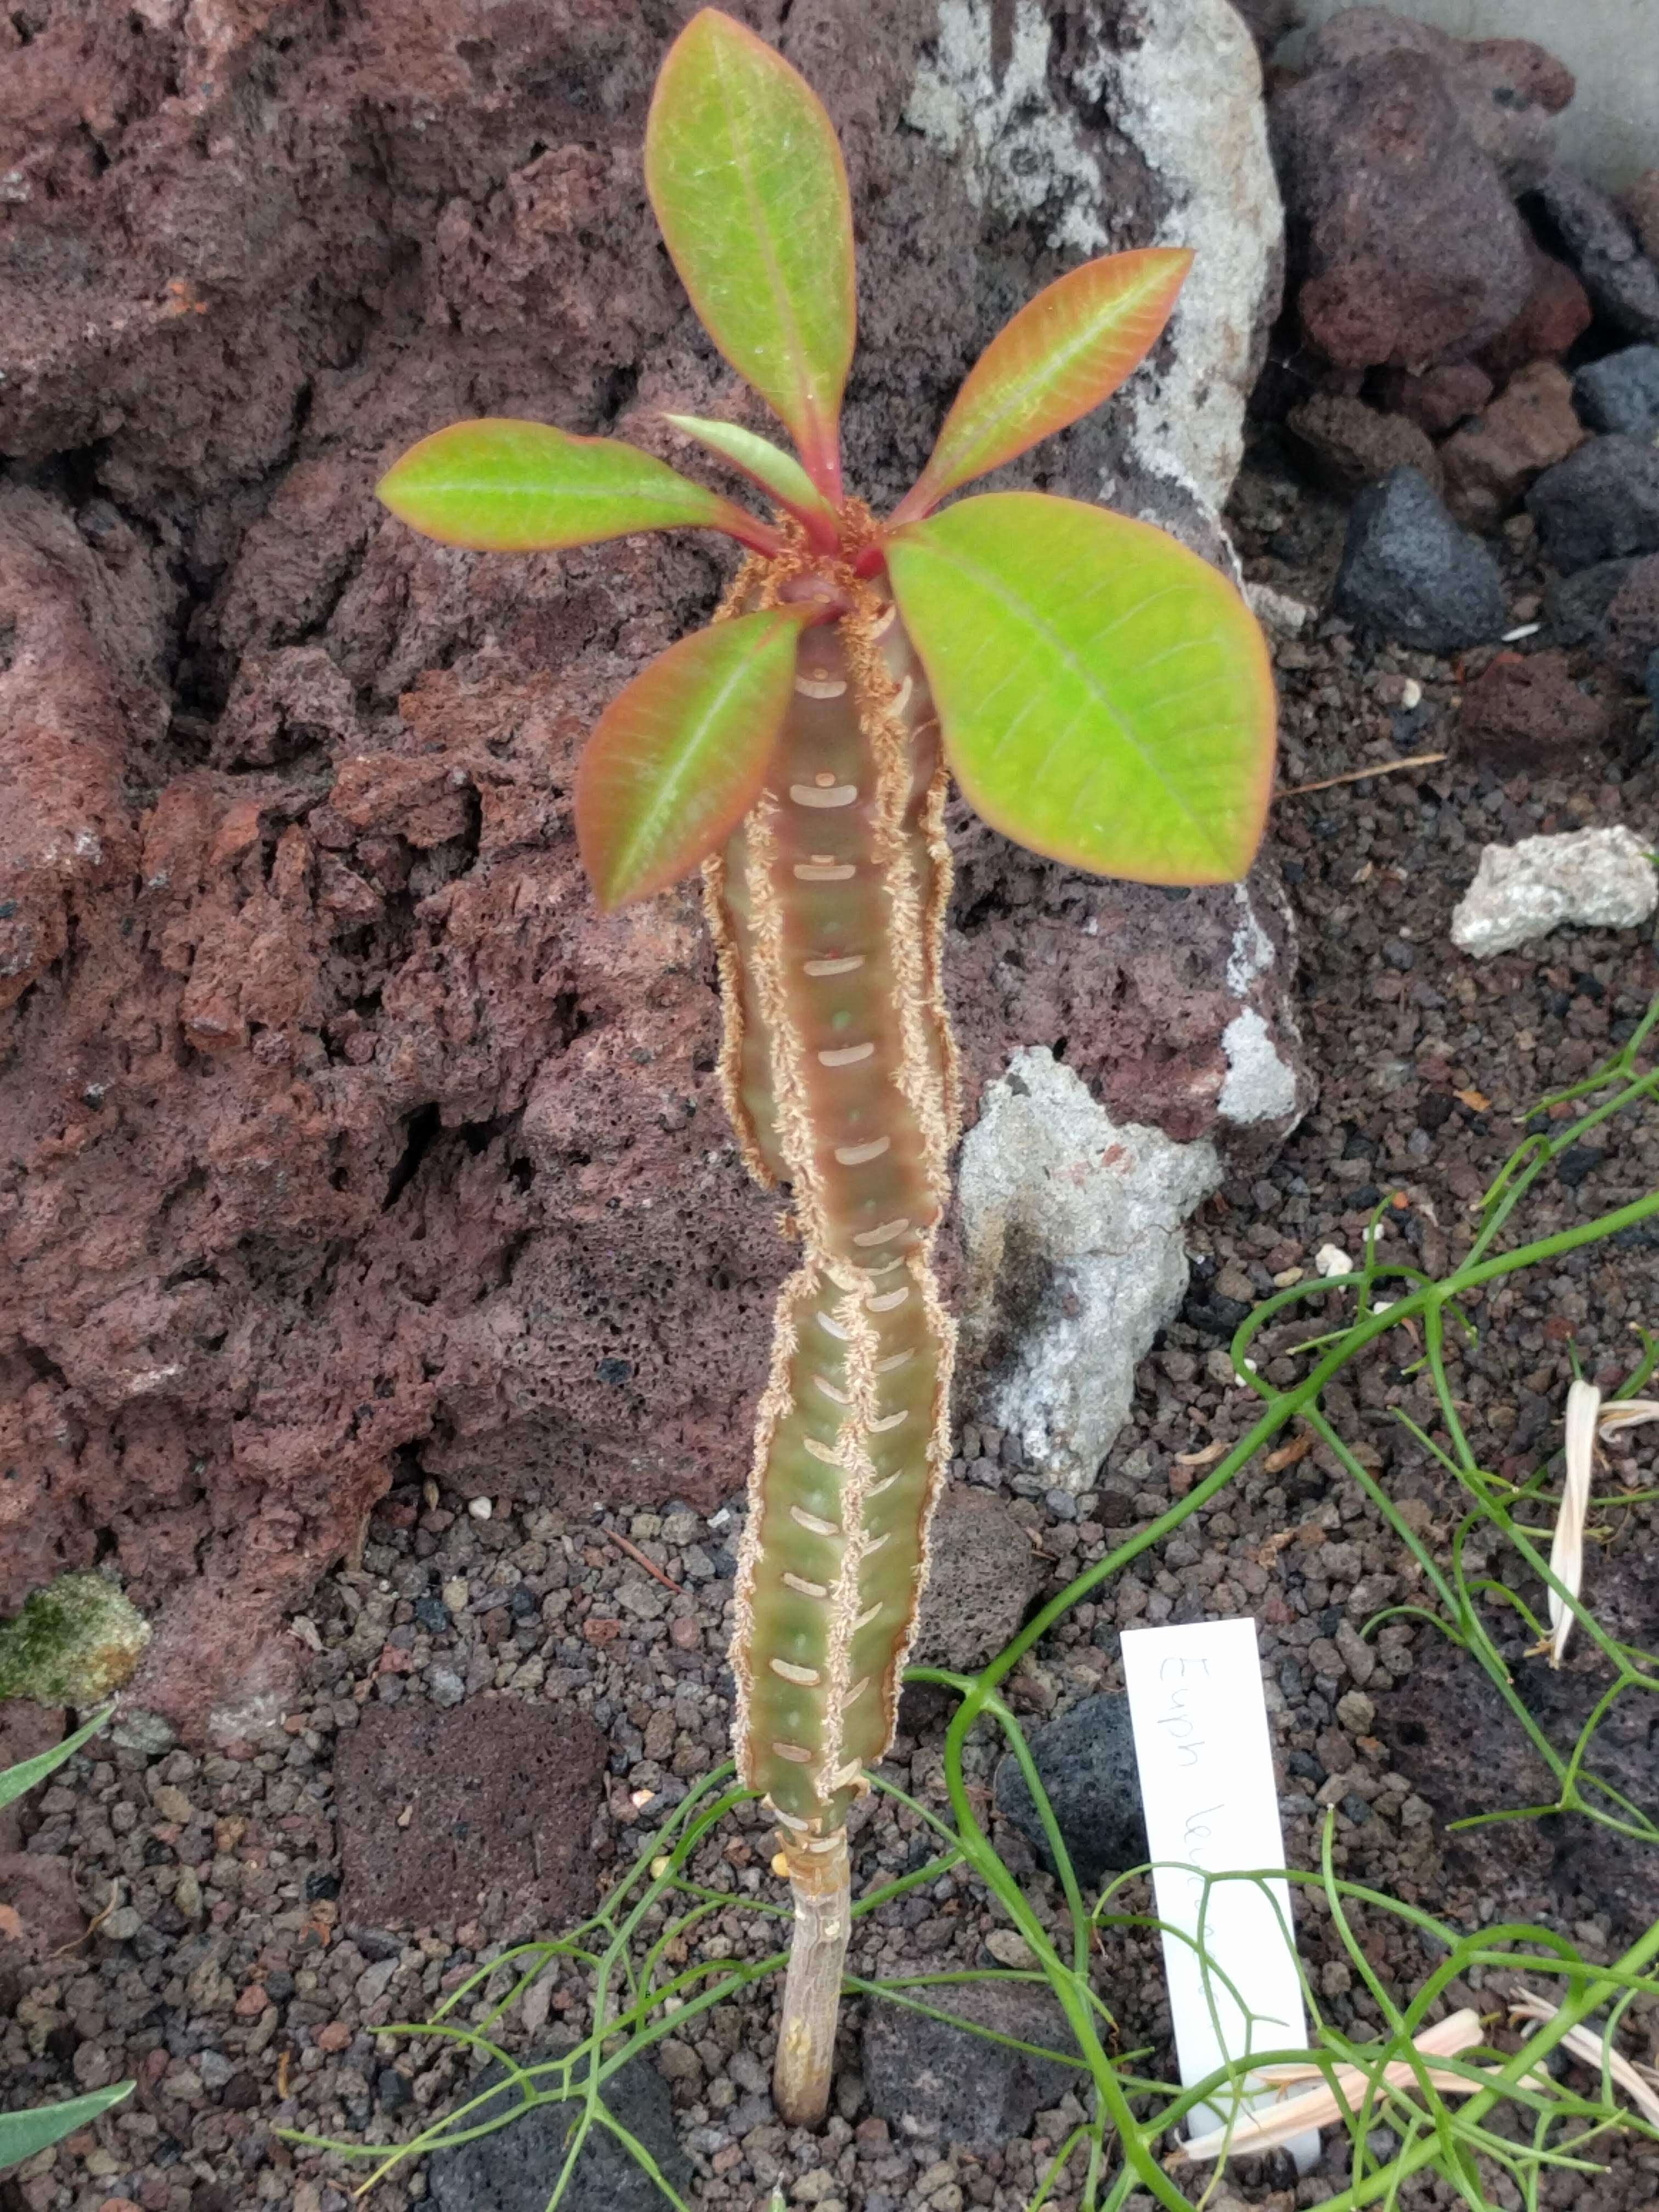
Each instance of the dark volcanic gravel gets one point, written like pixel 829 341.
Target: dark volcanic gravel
pixel 227 1973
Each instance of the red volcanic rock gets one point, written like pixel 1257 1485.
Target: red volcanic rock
pixel 342 1135
pixel 1350 445
pixel 1403 232
pixel 1530 427
pixel 1441 398
pixel 437 1809
pixel 1558 311
pixel 40 1890
pixel 1525 712
pixel 1505 89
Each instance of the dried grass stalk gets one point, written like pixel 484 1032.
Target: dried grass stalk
pixel 1567 1550
pixel 1278 2124
pixel 1587 1420
pixel 1594 2050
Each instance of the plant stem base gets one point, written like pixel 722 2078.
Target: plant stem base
pixel 820 1879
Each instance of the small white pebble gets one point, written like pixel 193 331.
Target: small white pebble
pixel 480 1509
pixel 1411 694
pixel 1277 610
pixel 1331 1260
pixel 1592 878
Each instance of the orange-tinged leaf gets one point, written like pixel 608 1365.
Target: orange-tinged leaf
pixel 768 465
pixel 749 191
pixel 678 758
pixel 509 486
pixel 1104 697
pixel 1059 357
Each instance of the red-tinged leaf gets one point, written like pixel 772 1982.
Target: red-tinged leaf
pixel 509 486
pixel 1061 355
pixel 1104 697
pixel 749 188
pixel 777 473
pixel 678 758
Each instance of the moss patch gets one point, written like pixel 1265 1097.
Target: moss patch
pixel 73 1643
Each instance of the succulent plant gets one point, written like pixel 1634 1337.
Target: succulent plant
pixel 1100 694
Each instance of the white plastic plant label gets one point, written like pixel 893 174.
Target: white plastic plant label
pixel 1211 1805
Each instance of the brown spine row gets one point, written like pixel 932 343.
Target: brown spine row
pixel 827 908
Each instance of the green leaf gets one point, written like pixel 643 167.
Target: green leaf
pixel 1104 697
pixel 749 188
pixel 509 486
pixel 768 465
pixel 14 1780
pixel 22 2134
pixel 677 760
pixel 1061 355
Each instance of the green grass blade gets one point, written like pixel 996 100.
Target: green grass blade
pixel 22 2134
pixel 14 1780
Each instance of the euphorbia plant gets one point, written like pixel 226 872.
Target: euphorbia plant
pixel 1100 694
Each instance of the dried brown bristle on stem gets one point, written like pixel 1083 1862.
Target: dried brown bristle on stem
pixel 840 1073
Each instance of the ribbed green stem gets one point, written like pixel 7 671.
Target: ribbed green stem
pixel 826 907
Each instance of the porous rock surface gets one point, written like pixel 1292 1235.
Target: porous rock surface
pixel 1598 878
pixel 1073 1225
pixel 1399 224
pixel 438 1808
pixel 1556 312
pixel 1525 712
pixel 1505 90
pixel 982 1575
pixel 1630 630
pixel 1408 572
pixel 955 2082
pixel 1620 392
pixel 1601 503
pixel 1490 462
pixel 513 2168
pixel 1605 249
pixel 342 1137
pixel 1086 1763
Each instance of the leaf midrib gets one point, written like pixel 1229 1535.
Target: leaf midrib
pixel 1060 361
pixel 1021 609
pixel 794 341
pixel 667 796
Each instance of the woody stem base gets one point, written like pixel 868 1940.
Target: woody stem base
pixel 821 1883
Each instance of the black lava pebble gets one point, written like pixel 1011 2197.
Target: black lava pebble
pixel 1409 573
pixel 1086 1763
